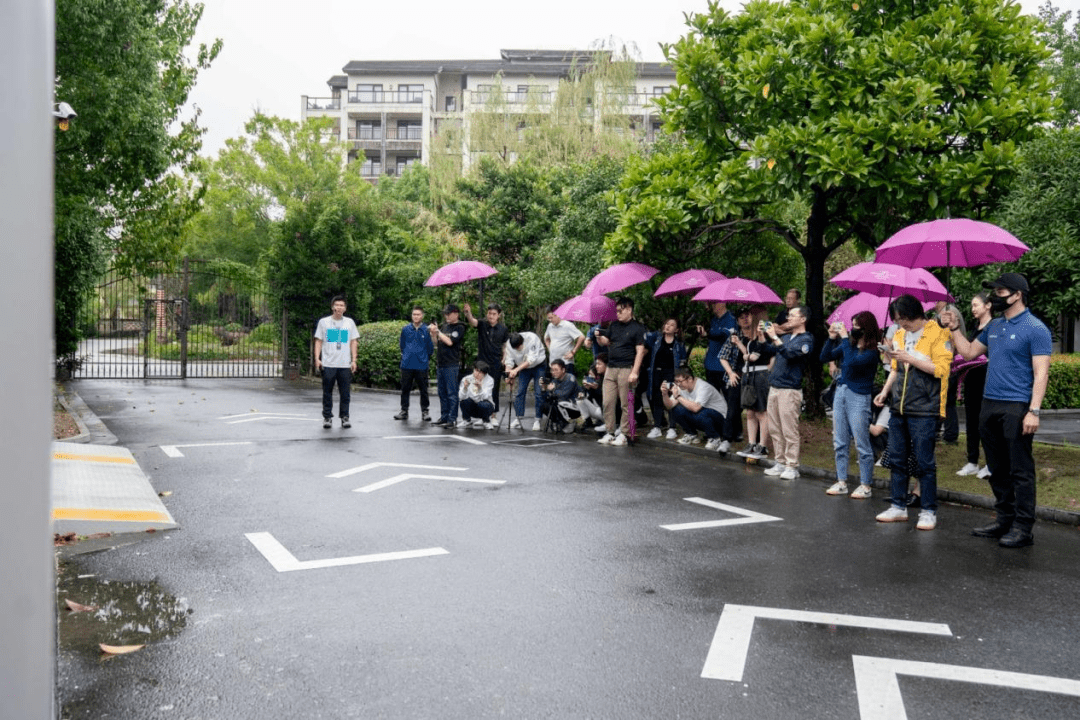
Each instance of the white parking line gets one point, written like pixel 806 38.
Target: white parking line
pixel 747 517
pixel 407 476
pixel 472 441
pixel 284 561
pixel 173 451
pixel 879 690
pixel 371 466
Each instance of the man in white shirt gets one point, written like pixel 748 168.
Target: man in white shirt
pixel 562 338
pixel 695 406
pixel 335 357
pixel 525 361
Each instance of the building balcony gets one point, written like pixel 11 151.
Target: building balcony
pixel 384 97
pixel 392 138
pixel 322 103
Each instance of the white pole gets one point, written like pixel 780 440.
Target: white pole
pixel 27 602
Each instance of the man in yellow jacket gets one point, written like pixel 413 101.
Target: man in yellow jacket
pixel 920 355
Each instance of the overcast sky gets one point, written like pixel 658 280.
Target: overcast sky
pixel 277 50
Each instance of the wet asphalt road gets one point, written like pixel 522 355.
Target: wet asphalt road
pixel 557 593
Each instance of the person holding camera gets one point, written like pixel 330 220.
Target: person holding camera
pixel 792 352
pixel 592 404
pixel 696 406
pixel 561 393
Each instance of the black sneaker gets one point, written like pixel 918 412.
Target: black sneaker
pixel 747 452
pixel 759 452
pixel 327 423
pixel 404 415
pixel 345 423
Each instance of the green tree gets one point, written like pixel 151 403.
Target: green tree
pixel 1043 210
pixel 866 116
pixel 1064 64
pixel 124 67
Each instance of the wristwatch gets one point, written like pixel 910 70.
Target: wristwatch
pixel 1034 411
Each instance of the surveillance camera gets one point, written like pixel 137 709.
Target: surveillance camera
pixel 63 114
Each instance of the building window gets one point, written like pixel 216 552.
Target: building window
pixel 371 167
pixel 368 130
pixel 368 93
pixel 410 93
pixel 409 130
pixel 451 103
pixel 660 89
pixel 486 92
pixel 404 162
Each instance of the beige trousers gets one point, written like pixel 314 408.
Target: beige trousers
pixel 783 413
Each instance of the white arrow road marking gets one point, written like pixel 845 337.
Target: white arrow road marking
pixel 406 476
pixel 370 466
pixel 747 517
pixel 270 417
pixel 173 451
pixel 879 691
pixel 731 643
pixel 462 438
pixel 252 414
pixel 283 561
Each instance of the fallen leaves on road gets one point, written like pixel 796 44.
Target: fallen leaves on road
pixel 165 493
pixel 77 607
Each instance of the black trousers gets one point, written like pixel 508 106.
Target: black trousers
pixel 974 380
pixel 1012 465
pixel 733 421
pixel 419 378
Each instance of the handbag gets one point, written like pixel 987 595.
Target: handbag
pixel 748 395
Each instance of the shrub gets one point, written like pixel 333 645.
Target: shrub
pixel 378 354
pixel 1063 386
pixel 268 333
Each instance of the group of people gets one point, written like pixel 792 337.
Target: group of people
pixel 756 365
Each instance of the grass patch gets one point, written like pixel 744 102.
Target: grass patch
pixel 1058 466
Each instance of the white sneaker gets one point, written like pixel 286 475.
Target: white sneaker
pixel 893 514
pixel 724 446
pixel 838 488
pixel 515 424
pixel 927 520
pixel 984 473
pixel 775 470
pixel 713 445
pixel 607 439
pixel 600 429
pixel 462 424
pixel 655 433
pixel 695 440
pixel 863 492
pixel 686 439
pixel 489 425
pixel 672 433
pixel 478 424
pixel 619 441
pixel 790 473
pixel 536 425
pixel 969 469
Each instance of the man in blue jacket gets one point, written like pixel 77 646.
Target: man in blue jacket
pixel 416 349
pixel 785 389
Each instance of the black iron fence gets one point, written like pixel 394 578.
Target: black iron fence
pixel 206 320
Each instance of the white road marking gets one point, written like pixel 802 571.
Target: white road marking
pixel 747 517
pixel 406 476
pixel 283 561
pixel 271 417
pixel 530 442
pixel 250 414
pixel 173 451
pixel 370 466
pixel 462 438
pixel 731 643
pixel 879 690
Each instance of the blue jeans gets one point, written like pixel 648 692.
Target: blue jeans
pixel 918 434
pixel 472 409
pixel 706 420
pixel 851 418
pixel 447 380
pixel 342 377
pixel 522 382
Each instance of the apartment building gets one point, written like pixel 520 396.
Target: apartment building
pixel 389 111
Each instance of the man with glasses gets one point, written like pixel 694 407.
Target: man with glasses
pixel 696 406
pixel 625 343
pixel 792 352
pixel 1017 346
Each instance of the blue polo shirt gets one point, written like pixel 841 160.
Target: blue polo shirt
pixel 1010 346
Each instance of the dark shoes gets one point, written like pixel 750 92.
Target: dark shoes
pixel 327 423
pixel 993 530
pixel 1016 538
pixel 423 416
pixel 404 415
pixel 345 423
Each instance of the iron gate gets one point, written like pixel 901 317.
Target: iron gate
pixel 207 320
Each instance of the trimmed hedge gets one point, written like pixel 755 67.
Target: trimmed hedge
pixel 378 354
pixel 1063 387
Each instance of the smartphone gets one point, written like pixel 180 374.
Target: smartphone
pixel 882 347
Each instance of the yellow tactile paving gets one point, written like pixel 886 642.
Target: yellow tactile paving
pixel 93 458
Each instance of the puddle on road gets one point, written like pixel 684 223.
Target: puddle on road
pixel 127 613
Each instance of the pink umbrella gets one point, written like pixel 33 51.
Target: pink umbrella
pixel 738 290
pixel 459 272
pixel 618 277
pixel 587 308
pixel 687 281
pixel 891 281
pixel 865 302
pixel 950 243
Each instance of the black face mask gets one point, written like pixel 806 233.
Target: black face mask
pixel 999 303
pixel 857 334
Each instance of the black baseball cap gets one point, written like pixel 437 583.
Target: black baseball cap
pixel 451 308
pixel 1011 281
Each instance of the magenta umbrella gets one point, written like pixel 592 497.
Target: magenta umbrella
pixel 687 281
pixel 865 302
pixel 459 272
pixel 587 308
pixel 891 281
pixel 618 277
pixel 738 290
pixel 950 243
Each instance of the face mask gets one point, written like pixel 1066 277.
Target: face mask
pixel 857 334
pixel 999 304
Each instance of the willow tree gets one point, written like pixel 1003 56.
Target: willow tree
pixel 829 121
